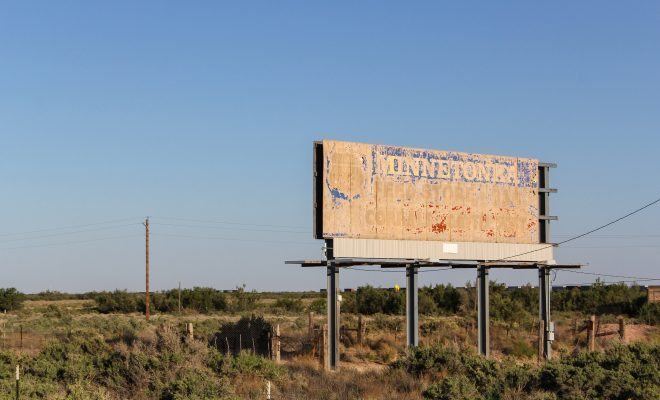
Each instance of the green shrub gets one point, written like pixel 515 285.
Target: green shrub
pixel 248 333
pixel 319 306
pixel 194 385
pixel 11 299
pixel 621 372
pixel 117 301
pixel 244 300
pixel 370 300
pixel 650 313
pixel 452 388
pixel 289 304
pixel 245 362
pixel 203 299
pixel 519 348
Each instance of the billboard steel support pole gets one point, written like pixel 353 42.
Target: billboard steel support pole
pixel 483 311
pixel 544 312
pixel 333 309
pixel 412 309
pixel 333 316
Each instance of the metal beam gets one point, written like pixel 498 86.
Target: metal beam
pixel 412 309
pixel 544 312
pixel 333 307
pixel 483 311
pixel 333 316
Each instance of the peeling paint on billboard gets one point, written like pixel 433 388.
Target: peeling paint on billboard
pixel 391 192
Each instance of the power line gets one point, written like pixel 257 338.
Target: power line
pixel 615 246
pixel 232 223
pixel 68 243
pixel 231 239
pixel 67 233
pixel 374 270
pixel 588 232
pixel 606 275
pixel 619 236
pixel 397 270
pixel 67 227
pixel 609 282
pixel 228 227
pixel 437 269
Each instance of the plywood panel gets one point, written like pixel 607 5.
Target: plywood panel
pixel 337 189
pixel 389 192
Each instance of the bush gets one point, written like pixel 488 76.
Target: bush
pixel 650 313
pixel 244 300
pixel 245 362
pixel 194 385
pixel 319 306
pixel 621 372
pixel 600 299
pixel 11 299
pixel 203 299
pixel 248 333
pixel 289 304
pixel 370 300
pixel 451 388
pixel 519 348
pixel 117 301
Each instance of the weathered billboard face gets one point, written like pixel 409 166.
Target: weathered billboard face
pixel 388 192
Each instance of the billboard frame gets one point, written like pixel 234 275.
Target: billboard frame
pixel 412 267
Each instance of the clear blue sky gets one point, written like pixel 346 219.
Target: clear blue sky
pixel 112 111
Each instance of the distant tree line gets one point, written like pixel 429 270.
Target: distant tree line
pixel 199 299
pixel 507 304
pixel 516 305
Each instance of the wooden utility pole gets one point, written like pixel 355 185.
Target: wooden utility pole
pixel 179 297
pixel 146 301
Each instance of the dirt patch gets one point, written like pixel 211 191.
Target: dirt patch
pixel 634 333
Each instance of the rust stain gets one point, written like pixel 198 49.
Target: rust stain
pixel 439 227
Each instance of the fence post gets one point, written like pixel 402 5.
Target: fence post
pixel 324 347
pixel 189 330
pixel 541 338
pixel 591 333
pixel 622 329
pixel 310 328
pixel 361 330
pixel 268 390
pixel 18 377
pixel 275 344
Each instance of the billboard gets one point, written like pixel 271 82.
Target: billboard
pixel 367 191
